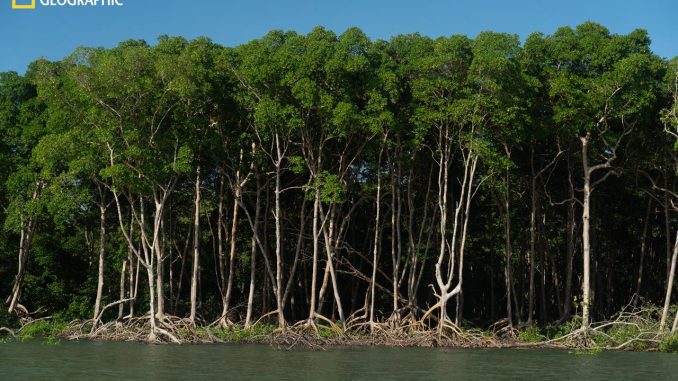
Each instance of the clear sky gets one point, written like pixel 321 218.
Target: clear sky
pixel 53 32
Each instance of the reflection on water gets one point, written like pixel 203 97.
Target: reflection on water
pixel 37 360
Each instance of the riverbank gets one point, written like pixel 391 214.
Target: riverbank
pixel 614 335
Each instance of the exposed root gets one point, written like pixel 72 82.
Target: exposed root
pixel 634 328
pixel 9 331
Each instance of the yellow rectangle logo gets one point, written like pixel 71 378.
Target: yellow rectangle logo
pixel 23 6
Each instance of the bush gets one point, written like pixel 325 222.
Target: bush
pixel 7 319
pixel 554 332
pixel 531 334
pixel 42 329
pixel 237 333
pixel 670 343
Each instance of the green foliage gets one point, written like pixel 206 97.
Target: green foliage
pixel 330 114
pixel 7 320
pixel 565 328
pixel 42 329
pixel 531 334
pixel 236 333
pixel 669 343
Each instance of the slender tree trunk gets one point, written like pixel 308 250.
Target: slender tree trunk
pixel 396 251
pixel 151 302
pixel 121 306
pixel 316 245
pixel 253 262
pixel 669 287
pixel 221 260
pixel 328 233
pixel 278 234
pixel 586 286
pixel 25 242
pixel 667 228
pixel 102 251
pixel 571 224
pixel 133 275
pixel 375 253
pixel 231 256
pixel 508 252
pixel 533 238
pixel 643 248
pixel 196 247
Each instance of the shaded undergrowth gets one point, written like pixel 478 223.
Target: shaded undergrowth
pixel 632 329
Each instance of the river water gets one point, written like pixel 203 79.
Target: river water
pixel 38 360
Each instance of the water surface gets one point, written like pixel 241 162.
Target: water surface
pixel 37 360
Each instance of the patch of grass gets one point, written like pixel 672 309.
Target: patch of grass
pixel 327 332
pixel 587 352
pixel 669 344
pixel 236 333
pixel 42 329
pixel 555 332
pixel 619 334
pixel 531 334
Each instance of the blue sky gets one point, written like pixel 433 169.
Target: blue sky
pixel 53 32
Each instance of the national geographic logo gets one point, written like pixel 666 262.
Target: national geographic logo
pixel 30 4
pixel 18 4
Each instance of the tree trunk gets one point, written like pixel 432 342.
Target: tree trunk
pixel 586 286
pixel 375 253
pixel 643 248
pixel 533 238
pixel 25 242
pixel 571 224
pixel 278 234
pixel 196 248
pixel 102 251
pixel 231 256
pixel 508 251
pixel 314 265
pixel 121 306
pixel 669 286
pixel 253 263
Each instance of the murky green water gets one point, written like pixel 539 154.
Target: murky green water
pixel 36 360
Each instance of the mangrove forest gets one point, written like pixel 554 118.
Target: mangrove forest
pixel 436 190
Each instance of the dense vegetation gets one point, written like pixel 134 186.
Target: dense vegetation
pixel 302 178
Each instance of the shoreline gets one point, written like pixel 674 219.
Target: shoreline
pixel 322 337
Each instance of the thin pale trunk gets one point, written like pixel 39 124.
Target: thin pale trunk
pixel 151 302
pixel 330 262
pixel 159 284
pixel 314 265
pixel 586 286
pixel 507 260
pixel 375 253
pixel 395 237
pixel 220 240
pixel 278 235
pixel 231 256
pixel 253 263
pixel 26 240
pixel 102 251
pixel 133 275
pixel 533 240
pixel 571 224
pixel 196 248
pixel 669 287
pixel 121 306
pixel 667 228
pixel 297 255
pixel 643 248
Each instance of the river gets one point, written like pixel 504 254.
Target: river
pixel 39 360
